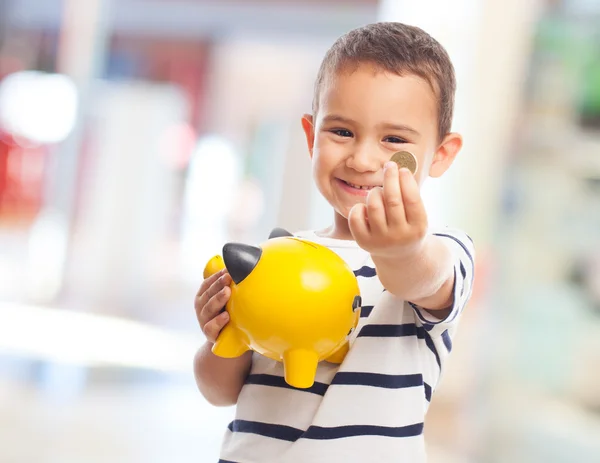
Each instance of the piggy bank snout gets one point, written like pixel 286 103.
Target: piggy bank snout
pixel 240 260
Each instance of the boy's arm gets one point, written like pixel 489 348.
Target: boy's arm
pixel 425 278
pixel 220 380
pixel 392 227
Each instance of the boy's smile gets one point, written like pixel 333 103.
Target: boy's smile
pixel 365 115
pixel 356 189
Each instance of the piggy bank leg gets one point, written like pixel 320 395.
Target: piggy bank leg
pixel 300 367
pixel 340 354
pixel 230 343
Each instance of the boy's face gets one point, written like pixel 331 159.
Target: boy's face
pixel 364 117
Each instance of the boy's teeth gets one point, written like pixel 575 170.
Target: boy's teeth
pixel 358 186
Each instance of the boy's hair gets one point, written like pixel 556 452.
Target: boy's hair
pixel 397 48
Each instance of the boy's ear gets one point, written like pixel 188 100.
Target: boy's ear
pixel 445 154
pixel 309 131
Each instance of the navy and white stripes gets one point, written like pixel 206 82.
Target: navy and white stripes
pixel 349 379
pixel 373 405
pixel 291 434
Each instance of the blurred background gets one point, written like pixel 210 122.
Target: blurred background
pixel 137 136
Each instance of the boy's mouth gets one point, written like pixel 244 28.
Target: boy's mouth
pixel 359 187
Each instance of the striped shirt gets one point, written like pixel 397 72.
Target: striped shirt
pixel 372 407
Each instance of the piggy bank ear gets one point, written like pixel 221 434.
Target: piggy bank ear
pixel 240 260
pixel 279 233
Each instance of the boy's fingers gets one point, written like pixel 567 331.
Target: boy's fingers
pixel 392 195
pixel 214 305
pixel 214 327
pixel 376 211
pixel 217 285
pixel 208 282
pixel 413 205
pixel 358 223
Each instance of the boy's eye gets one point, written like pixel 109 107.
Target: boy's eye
pixel 342 133
pixel 394 140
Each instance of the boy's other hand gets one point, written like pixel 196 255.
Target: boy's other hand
pixel 393 222
pixel 212 296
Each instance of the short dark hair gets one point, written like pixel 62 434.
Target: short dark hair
pixel 397 48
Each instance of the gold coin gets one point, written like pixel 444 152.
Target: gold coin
pixel 405 159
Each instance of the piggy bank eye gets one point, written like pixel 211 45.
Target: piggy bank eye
pixel 356 303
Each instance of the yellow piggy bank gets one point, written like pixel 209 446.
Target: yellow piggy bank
pixel 292 300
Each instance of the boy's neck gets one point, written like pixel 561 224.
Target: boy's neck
pixel 339 230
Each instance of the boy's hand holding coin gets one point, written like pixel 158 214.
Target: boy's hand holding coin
pixel 393 222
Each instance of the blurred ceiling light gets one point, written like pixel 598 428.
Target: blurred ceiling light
pixel 92 340
pixel 38 106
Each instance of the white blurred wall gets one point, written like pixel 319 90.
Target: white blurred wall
pixel 260 88
pixel 127 195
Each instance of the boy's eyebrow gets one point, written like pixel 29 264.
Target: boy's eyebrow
pixel 400 127
pixel 390 126
pixel 337 118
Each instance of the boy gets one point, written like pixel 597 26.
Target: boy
pixel 383 88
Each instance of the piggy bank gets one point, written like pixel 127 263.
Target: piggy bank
pixel 292 300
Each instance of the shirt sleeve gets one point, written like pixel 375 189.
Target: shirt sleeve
pixel 464 269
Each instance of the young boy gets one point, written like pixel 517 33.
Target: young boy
pixel 383 88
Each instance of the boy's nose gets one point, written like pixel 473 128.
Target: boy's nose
pixel 364 159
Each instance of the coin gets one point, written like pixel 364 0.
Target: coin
pixel 405 159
